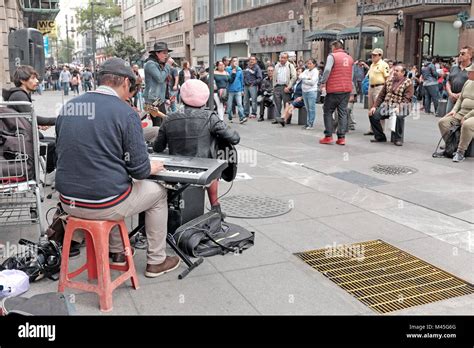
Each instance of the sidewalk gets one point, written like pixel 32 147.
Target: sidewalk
pixel 337 199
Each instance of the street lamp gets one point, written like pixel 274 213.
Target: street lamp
pixel 359 47
pixel 462 18
pixel 93 3
pixel 397 28
pixel 67 41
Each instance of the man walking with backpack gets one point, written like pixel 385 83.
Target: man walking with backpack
pixel 252 79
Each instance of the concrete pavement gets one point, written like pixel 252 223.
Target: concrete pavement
pixel 337 199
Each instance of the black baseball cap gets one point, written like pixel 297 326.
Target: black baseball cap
pixel 119 67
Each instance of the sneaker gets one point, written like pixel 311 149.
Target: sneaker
pixel 274 121
pixel 260 119
pixel 230 120
pixel 341 141
pixel 458 157
pixel 50 178
pixel 170 264
pixel 140 241
pixel 253 116
pixel 119 259
pixel 309 127
pixel 326 140
pixel 439 154
pixel 242 121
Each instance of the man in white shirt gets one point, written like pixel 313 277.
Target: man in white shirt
pixel 283 80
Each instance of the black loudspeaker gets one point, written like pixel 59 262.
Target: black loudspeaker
pixel 26 47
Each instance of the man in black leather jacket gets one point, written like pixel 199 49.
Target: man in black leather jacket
pixel 26 82
pixel 192 133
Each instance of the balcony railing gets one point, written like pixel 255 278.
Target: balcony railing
pixel 394 5
pixel 41 6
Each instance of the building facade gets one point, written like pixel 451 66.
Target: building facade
pixel 426 28
pixel 169 21
pixel 264 28
pixel 11 17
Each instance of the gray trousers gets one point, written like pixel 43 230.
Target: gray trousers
pixel 147 196
pixel 333 102
pixel 279 97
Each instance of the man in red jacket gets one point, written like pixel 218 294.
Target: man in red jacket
pixel 337 81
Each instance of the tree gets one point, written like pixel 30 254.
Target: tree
pixel 103 14
pixel 128 49
pixel 63 50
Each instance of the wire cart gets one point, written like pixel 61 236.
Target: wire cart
pixel 20 192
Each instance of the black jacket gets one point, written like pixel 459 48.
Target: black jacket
pixel 192 133
pixel 181 76
pixel 18 94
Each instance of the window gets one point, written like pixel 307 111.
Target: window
pixel 164 19
pixel 128 3
pixel 149 3
pixel 201 11
pixel 130 22
pixel 176 41
pixel 236 5
pixel 218 8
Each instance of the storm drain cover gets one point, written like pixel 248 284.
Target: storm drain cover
pixel 394 170
pixel 254 207
pixel 383 277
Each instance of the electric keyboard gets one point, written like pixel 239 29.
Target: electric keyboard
pixel 188 170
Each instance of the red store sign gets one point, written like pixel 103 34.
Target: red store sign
pixel 272 40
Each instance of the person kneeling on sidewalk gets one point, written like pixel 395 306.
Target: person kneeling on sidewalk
pixel 103 163
pixel 192 132
pixel 394 99
pixel 462 114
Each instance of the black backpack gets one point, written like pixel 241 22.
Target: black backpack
pixel 208 235
pixel 452 143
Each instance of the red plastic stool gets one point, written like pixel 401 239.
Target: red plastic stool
pixel 97 265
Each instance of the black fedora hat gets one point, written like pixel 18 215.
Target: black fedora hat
pixel 160 46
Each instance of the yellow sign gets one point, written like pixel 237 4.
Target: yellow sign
pixel 47 27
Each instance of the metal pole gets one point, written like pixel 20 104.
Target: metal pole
pixel 211 54
pixel 93 43
pixel 67 42
pixel 359 47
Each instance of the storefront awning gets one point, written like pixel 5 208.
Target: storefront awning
pixel 320 35
pixel 353 33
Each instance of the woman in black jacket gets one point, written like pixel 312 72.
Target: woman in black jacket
pixel 186 73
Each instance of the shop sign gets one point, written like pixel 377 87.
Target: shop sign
pixel 272 40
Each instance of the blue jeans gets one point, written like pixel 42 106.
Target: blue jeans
pixel 450 105
pixel 431 95
pixel 238 101
pixel 250 92
pixel 173 106
pixel 65 87
pixel 310 104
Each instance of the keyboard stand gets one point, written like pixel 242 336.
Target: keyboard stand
pixel 174 197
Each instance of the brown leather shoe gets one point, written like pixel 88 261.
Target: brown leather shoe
pixel 170 264
pixel 119 259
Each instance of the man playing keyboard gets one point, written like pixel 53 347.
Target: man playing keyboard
pixel 99 154
pixel 191 133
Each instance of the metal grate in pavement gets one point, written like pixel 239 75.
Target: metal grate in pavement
pixel 384 277
pixel 394 169
pixel 254 207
